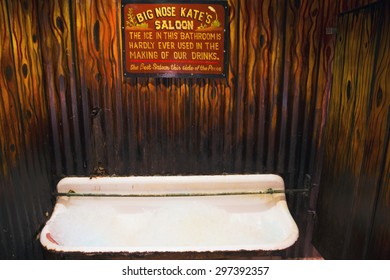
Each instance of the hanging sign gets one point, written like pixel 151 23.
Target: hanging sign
pixel 175 38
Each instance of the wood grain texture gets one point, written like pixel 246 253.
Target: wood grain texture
pixel 188 125
pixel 24 154
pixel 64 99
pixel 250 122
pixel 356 138
pixel 378 146
pixel 259 119
pixel 304 36
pixel 9 95
pixel 60 82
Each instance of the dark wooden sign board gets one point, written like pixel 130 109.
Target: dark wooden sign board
pixel 175 38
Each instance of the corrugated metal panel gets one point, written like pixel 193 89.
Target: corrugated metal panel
pixel 254 121
pixel 62 78
pixel 261 119
pixel 25 194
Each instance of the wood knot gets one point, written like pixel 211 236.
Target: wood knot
pixel 95 112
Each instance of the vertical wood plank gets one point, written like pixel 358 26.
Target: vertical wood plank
pixel 304 28
pixel 366 139
pixel 60 81
pixel 24 179
pixel 10 129
pixel 379 245
pixel 276 15
pixel 10 140
pixel 96 38
pixel 323 86
pixel 349 175
pixel 377 160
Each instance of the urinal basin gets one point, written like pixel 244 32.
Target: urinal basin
pixel 169 214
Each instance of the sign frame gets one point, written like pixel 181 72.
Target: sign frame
pixel 172 73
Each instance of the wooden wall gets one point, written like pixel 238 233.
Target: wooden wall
pixel 353 199
pixel 66 108
pixel 266 117
pixel 171 126
pixel 25 192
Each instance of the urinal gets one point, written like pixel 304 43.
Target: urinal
pixel 169 215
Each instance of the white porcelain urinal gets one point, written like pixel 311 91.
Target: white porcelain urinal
pixel 169 214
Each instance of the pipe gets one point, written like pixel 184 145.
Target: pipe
pixel 268 191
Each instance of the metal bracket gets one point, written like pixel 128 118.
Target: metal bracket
pixel 307 186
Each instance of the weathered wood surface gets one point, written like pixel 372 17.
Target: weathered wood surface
pixel 61 81
pixel 24 154
pixel 378 149
pixel 160 126
pixel 357 136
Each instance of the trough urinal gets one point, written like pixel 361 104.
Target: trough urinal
pixel 219 213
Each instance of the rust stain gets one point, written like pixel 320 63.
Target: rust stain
pixel 51 239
